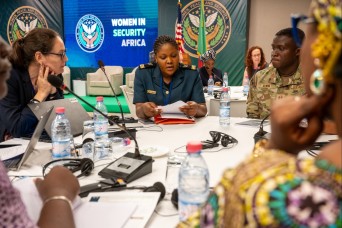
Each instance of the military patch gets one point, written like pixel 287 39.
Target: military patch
pixel 150 91
pixel 190 67
pixel 146 65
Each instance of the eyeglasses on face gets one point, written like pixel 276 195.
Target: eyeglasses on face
pixel 62 55
pixel 225 139
pixel 295 19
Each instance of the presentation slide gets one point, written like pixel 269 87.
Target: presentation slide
pixel 120 32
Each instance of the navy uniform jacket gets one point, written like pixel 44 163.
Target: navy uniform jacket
pixel 16 117
pixel 186 85
pixel 205 76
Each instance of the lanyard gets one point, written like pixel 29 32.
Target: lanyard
pixel 166 100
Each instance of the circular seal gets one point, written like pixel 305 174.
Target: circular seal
pixel 23 20
pixel 217 22
pixel 89 33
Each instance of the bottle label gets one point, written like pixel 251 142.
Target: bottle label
pixel 186 209
pixel 61 149
pixel 101 128
pixel 224 112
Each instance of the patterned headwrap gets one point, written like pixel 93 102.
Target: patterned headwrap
pixel 210 54
pixel 327 47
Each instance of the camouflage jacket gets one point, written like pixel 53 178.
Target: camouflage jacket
pixel 267 86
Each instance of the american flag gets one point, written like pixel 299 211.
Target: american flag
pixel 179 30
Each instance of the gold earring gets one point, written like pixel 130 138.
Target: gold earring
pixel 317 80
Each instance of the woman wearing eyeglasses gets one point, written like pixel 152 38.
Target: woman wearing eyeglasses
pixel 273 187
pixel 40 53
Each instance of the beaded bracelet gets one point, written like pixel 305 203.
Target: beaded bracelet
pixel 64 198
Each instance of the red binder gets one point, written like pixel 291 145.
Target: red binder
pixel 182 119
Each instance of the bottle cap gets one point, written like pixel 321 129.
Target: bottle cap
pixel 210 76
pixel 193 147
pixel 127 141
pixel 99 98
pixel 60 110
pixel 225 89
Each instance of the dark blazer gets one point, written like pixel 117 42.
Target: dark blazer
pixel 16 118
pixel 205 77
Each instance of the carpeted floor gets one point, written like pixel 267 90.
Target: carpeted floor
pixel 110 102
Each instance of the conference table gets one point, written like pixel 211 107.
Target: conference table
pixel 173 137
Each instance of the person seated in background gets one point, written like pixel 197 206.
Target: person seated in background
pixel 281 79
pixel 208 58
pixel 57 191
pixel 255 61
pixel 40 53
pixel 166 82
pixel 273 188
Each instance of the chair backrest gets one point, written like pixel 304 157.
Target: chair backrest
pixel 129 93
pixel 130 78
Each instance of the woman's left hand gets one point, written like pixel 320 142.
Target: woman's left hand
pixel 190 109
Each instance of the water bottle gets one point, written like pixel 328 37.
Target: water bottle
pixel 245 86
pixel 211 86
pixel 61 135
pixel 193 187
pixel 119 144
pixel 100 122
pixel 224 108
pixel 225 79
pixel 102 145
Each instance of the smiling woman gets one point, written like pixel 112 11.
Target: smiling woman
pixel 40 53
pixel 167 81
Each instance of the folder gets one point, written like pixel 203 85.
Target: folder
pixel 173 119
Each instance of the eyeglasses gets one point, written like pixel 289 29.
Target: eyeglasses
pixel 62 55
pixel 295 19
pixel 225 139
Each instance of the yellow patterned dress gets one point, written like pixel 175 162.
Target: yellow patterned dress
pixel 274 190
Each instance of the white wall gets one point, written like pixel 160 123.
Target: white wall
pixel 268 17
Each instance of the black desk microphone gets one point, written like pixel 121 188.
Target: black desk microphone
pixel 129 167
pixel 261 134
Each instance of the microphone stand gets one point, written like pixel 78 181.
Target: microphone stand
pixel 116 97
pixel 130 166
pixel 261 133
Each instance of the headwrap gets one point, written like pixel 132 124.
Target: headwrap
pixel 327 47
pixel 210 54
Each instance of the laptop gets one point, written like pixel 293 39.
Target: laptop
pixel 74 112
pixel 14 163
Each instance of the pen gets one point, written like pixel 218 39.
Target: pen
pixel 8 145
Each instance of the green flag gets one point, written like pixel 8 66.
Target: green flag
pixel 201 44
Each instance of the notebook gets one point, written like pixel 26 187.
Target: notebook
pixel 74 112
pixel 15 160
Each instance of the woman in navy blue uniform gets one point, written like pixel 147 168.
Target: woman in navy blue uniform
pixel 167 81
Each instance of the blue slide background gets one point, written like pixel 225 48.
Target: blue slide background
pixel 111 52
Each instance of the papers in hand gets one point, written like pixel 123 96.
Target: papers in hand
pixel 172 108
pixel 172 115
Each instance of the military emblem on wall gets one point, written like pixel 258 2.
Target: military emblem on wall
pixel 89 33
pixel 23 20
pixel 217 25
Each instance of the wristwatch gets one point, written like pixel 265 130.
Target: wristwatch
pixel 34 101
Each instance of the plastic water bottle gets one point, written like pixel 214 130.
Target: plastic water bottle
pixel 61 135
pixel 119 144
pixel 193 187
pixel 245 86
pixel 225 79
pixel 102 145
pixel 211 86
pixel 225 108
pixel 100 122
